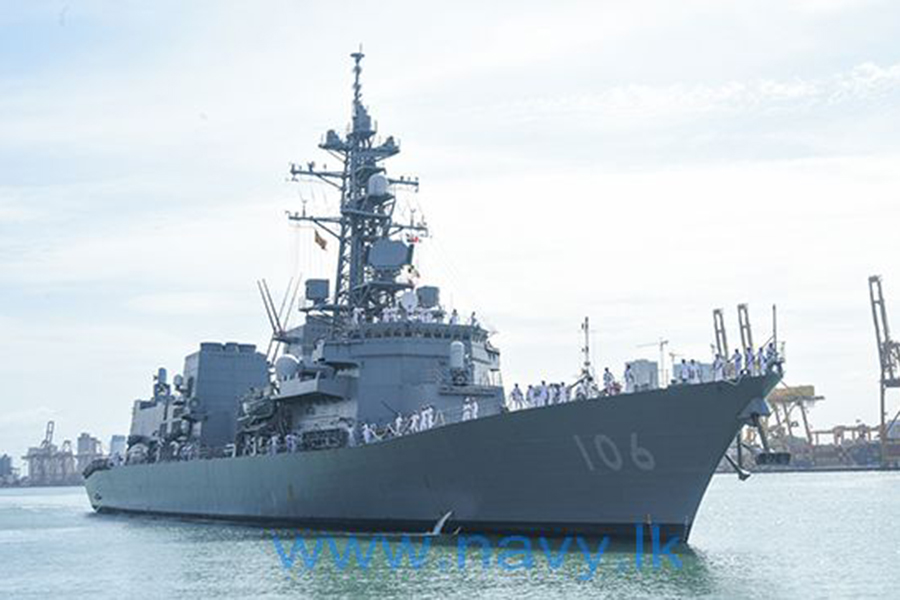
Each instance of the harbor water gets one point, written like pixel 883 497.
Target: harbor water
pixel 807 535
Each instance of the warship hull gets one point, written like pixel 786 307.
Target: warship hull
pixel 590 467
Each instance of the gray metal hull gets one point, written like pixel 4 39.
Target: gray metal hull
pixel 576 468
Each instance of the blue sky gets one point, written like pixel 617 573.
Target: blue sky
pixel 638 162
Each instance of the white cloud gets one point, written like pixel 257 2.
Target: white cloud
pixel 623 106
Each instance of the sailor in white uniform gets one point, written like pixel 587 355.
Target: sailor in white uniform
pixel 771 354
pixel 516 401
pixel 398 425
pixel 540 395
pixel 563 392
pixel 466 410
pixel 685 372
pixel 693 372
pixel 454 317
pixel 718 368
pixel 761 361
pixel 749 361
pixel 427 418
pixel 581 390
pixel 608 381
pixel 530 396
pixel 629 379
pixel 736 361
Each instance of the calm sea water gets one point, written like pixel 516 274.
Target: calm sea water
pixel 775 536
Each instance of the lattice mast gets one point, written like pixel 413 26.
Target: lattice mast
pixel 366 212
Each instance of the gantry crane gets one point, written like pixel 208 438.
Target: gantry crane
pixel 889 358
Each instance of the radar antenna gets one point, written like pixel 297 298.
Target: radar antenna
pixel 371 257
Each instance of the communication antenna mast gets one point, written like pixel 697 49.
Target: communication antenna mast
pixel 661 343
pixel 370 257
pixel 587 368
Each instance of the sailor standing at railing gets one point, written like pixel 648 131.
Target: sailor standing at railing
pixel 718 368
pixel 583 390
pixel 629 379
pixel 771 354
pixel 685 373
pixel 454 317
pixel 749 361
pixel 563 392
pixel 542 394
pixel 469 410
pixel 693 372
pixel 427 420
pixel 761 360
pixel 398 425
pixel 290 441
pixel 736 361
pixel 530 396
pixel 608 381
pixel 516 400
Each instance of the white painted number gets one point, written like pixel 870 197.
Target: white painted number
pixel 641 457
pixel 606 450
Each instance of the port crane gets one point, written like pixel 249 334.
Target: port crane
pixel 889 359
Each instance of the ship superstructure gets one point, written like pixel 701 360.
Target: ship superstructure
pixel 376 351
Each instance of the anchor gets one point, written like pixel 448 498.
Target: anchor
pixel 751 416
pixel 767 457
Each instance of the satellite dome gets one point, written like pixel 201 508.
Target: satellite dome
pixel 286 366
pixel 377 185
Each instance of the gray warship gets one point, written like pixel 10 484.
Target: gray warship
pixel 382 412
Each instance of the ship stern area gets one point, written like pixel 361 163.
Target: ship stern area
pixel 627 465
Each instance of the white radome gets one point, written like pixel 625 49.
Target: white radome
pixel 286 366
pixel 377 185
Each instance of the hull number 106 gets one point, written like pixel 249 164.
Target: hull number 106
pixel 602 451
